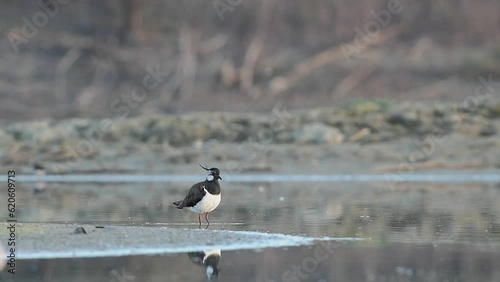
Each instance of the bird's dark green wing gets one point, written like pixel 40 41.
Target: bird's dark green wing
pixel 194 195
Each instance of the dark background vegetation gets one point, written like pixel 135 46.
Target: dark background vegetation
pixel 92 52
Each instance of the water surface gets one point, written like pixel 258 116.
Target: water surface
pixel 410 231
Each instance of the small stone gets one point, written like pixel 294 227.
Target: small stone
pixel 494 110
pixel 488 130
pixel 360 135
pixel 318 133
pixel 407 119
pixel 79 230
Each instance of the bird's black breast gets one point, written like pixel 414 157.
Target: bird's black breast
pixel 212 187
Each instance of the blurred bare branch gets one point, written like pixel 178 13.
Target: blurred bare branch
pixel 353 80
pixel 188 44
pixel 62 69
pixel 282 83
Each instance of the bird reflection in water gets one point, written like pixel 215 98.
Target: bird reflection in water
pixel 208 259
pixel 40 185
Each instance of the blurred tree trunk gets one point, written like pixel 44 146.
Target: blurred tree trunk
pixel 255 49
pixel 194 17
pixel 131 20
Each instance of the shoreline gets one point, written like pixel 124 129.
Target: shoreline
pixel 363 138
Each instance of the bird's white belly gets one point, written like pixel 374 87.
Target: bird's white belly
pixel 207 204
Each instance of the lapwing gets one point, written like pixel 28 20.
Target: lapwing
pixel 209 259
pixel 203 197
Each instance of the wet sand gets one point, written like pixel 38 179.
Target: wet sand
pixel 46 240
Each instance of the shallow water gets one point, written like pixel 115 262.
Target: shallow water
pixel 346 262
pixel 410 231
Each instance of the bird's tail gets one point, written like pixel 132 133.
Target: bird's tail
pixel 178 204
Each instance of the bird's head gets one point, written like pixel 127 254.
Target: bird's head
pixel 213 173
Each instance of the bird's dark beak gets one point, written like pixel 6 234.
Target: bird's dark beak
pixel 219 177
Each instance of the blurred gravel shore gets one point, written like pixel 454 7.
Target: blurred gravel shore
pixel 367 136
